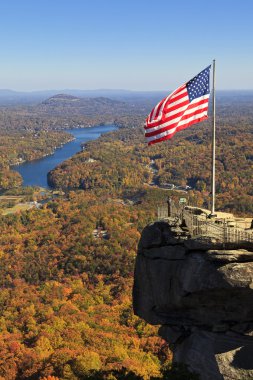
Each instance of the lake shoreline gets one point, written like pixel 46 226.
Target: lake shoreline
pixel 34 172
pixel 42 156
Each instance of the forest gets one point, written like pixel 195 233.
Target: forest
pixel 66 295
pixel 121 160
pixel 66 270
pixel 29 132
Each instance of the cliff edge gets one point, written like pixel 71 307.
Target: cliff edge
pixel 201 293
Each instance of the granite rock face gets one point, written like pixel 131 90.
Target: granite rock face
pixel 202 294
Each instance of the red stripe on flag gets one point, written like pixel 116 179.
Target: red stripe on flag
pixel 191 105
pixel 191 123
pixel 168 137
pixel 175 116
pixel 157 109
pixel 168 127
pixel 176 98
pixel 162 139
pixel 164 101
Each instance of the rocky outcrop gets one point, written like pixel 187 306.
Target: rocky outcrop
pixel 202 294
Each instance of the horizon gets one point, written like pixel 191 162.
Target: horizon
pixel 112 89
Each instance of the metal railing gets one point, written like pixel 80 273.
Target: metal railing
pixel 220 230
pixel 163 211
pixel 200 225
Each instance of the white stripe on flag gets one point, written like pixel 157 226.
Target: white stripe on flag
pixel 172 104
pixel 175 120
pixel 172 130
pixel 163 134
pixel 198 116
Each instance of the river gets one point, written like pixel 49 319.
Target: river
pixel 34 173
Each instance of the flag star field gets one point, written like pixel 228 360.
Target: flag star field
pixel 199 85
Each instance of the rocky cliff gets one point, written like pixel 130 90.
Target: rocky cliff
pixel 201 293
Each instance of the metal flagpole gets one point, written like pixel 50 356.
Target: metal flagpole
pixel 213 146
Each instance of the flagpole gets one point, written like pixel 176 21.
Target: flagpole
pixel 213 146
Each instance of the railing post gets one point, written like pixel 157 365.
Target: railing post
pixel 224 232
pixel 169 202
pixel 195 225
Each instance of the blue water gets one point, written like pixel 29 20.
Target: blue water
pixel 34 173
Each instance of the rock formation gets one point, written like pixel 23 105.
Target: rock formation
pixel 202 294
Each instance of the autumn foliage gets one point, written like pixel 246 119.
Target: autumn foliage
pixel 65 300
pixel 66 296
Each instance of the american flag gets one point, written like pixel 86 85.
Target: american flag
pixel 185 106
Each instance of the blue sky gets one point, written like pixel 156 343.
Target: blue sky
pixel 127 44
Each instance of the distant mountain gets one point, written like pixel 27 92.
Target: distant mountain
pixel 145 99
pixel 62 99
pixel 65 104
pixel 13 98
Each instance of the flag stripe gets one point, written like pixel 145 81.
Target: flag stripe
pixel 154 111
pixel 178 93
pixel 158 120
pixel 177 111
pixel 170 133
pixel 175 130
pixel 177 99
pixel 174 122
pixel 182 99
pixel 154 115
pixel 183 122
pixel 195 101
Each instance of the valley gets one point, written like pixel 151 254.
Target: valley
pixel 67 265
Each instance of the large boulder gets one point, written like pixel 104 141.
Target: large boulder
pixel 202 294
